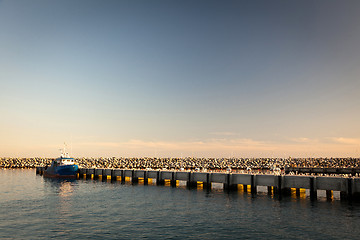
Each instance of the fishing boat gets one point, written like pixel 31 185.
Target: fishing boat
pixel 62 167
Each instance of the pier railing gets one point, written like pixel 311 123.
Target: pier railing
pixel 312 170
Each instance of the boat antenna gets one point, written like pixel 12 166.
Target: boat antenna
pixel 64 153
pixel 71 146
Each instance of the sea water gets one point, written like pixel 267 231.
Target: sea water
pixel 33 207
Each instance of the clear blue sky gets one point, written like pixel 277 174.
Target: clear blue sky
pixel 180 78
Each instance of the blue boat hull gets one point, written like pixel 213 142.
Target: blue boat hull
pixel 63 171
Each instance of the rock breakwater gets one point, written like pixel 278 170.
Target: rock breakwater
pixel 190 163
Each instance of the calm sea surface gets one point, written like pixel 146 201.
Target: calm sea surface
pixel 32 207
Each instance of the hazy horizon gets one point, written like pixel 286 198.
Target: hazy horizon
pixel 180 78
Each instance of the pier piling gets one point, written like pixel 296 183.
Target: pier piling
pixel 313 189
pixel 134 178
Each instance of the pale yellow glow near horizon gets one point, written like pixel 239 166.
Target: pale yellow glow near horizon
pixel 302 147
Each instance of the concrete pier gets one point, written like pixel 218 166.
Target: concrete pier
pixel 280 185
pixel 116 175
pixel 90 173
pixel 82 173
pixel 98 173
pixel 107 174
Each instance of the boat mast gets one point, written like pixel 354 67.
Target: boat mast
pixel 64 154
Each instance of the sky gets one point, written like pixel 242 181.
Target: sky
pixel 164 78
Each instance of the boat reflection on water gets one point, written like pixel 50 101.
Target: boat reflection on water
pixel 62 206
pixel 63 187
